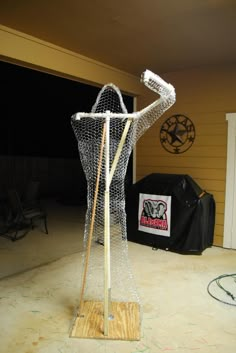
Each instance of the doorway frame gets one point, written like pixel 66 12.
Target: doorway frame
pixel 229 236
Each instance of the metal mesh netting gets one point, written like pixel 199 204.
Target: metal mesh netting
pixel 109 117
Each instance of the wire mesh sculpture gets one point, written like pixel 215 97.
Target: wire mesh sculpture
pixel 106 137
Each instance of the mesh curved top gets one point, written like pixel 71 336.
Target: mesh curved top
pixel 109 99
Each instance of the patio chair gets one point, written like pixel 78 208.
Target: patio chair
pixel 30 197
pixel 10 227
pixel 25 218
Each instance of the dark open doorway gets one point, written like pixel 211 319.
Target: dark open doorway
pixel 36 127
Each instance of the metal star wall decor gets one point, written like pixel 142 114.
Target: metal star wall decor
pixel 177 134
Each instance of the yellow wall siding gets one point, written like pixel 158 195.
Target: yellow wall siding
pixel 205 96
pixel 218 240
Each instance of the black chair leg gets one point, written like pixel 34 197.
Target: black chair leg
pixel 13 235
pixel 46 227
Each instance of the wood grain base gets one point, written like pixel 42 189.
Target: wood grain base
pixel 125 324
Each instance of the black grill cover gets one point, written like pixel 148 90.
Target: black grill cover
pixel 192 213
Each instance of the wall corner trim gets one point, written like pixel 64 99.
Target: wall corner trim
pixel 229 240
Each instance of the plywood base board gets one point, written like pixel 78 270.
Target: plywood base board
pixel 124 325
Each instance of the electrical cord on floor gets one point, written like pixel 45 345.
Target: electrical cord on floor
pixel 227 292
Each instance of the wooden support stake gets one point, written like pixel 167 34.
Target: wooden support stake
pixel 107 262
pixel 119 149
pixel 92 218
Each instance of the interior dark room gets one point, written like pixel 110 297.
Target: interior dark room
pixel 37 141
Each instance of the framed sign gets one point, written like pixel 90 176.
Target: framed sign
pixel 154 214
pixel 177 134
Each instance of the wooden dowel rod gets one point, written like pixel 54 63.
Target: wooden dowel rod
pixel 107 265
pixel 119 149
pixel 92 218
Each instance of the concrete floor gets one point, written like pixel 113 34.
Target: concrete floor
pixel 65 225
pixel 37 306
